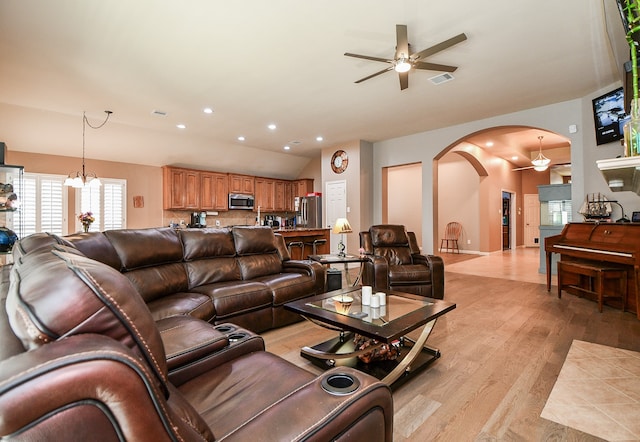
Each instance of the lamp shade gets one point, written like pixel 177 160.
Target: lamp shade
pixel 342 226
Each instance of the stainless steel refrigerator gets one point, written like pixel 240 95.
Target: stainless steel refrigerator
pixel 309 212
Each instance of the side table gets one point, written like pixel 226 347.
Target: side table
pixel 337 259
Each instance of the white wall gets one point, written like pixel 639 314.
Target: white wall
pixel 423 147
pixel 404 183
pixel 462 204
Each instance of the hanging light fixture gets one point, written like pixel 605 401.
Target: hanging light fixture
pixel 540 163
pixel 81 179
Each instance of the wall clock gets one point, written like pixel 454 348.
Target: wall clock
pixel 339 161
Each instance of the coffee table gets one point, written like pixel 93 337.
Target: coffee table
pixel 388 325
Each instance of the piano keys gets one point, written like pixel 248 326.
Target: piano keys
pixel 610 243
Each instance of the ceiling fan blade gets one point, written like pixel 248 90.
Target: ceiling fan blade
pixel 374 75
pixel 434 66
pixel 367 57
pixel 404 80
pixel 440 46
pixel 402 44
pixel 550 165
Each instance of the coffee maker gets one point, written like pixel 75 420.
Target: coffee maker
pixel 271 221
pixel 198 219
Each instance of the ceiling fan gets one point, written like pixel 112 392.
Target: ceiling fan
pixel 404 60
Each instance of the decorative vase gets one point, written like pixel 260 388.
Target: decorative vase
pixel 632 132
pixel 85 227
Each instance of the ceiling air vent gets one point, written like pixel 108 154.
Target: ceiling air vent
pixel 158 113
pixel 442 78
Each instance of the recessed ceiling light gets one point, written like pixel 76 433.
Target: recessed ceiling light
pixel 286 147
pixel 489 144
pixel 318 138
pixel 272 126
pixel 241 138
pixel 207 110
pixel 181 126
pixel 514 158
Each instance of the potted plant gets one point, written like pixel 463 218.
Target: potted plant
pixel 630 14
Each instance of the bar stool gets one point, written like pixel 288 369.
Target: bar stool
pixel 296 244
pixel 314 245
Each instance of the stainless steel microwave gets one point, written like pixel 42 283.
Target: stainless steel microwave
pixel 240 201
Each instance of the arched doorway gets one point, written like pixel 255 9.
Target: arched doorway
pixel 471 174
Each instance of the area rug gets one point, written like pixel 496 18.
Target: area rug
pixel 598 392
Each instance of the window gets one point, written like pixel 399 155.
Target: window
pixel 107 203
pixel 44 205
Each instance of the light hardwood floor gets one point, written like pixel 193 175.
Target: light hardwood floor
pixel 502 349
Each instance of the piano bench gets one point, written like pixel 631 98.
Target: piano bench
pixel 597 274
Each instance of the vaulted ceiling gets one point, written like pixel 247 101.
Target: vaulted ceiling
pixel 256 62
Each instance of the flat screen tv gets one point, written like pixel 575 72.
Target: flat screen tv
pixel 609 116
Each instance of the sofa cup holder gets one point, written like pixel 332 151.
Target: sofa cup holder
pixel 225 328
pixel 340 384
pixel 237 336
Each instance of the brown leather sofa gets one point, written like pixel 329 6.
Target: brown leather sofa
pixel 242 274
pixel 82 358
pixel 395 262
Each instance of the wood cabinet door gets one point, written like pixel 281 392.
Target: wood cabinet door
pixel 191 189
pixel 303 187
pixel 241 184
pixel 221 192
pixel 288 196
pixel 278 195
pixel 207 191
pixel 173 196
pixel 264 194
pixel 214 191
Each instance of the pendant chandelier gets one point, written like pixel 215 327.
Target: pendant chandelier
pixel 540 163
pixel 81 179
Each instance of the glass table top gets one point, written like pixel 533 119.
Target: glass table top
pixel 350 304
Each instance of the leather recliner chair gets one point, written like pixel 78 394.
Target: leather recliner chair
pixel 395 262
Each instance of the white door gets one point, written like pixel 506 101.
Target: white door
pixel 336 207
pixel 531 220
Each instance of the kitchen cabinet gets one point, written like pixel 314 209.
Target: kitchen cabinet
pixel 189 189
pixel 180 188
pixel 241 184
pixel 278 196
pixel 192 190
pixel 264 196
pixel 288 196
pixel 214 191
pixel 303 186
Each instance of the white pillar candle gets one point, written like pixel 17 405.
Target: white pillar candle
pixel 366 295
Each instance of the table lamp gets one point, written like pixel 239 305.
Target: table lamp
pixel 341 227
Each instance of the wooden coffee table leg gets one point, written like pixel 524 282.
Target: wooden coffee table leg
pixel 405 364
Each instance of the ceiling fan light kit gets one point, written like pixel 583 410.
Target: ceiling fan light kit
pixel 402 65
pixel 404 61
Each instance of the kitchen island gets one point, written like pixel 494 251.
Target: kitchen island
pixel 305 235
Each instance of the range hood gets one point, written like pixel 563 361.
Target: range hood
pixel 621 173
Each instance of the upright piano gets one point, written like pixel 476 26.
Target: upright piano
pixel 615 243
